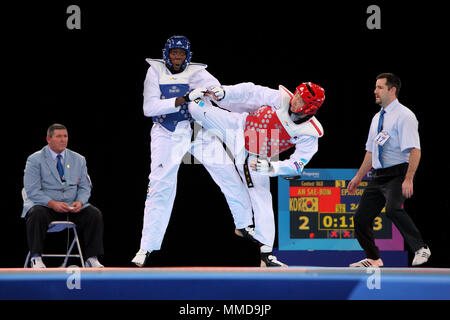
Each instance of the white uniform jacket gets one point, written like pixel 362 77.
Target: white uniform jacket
pixel 195 75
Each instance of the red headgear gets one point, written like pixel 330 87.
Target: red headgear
pixel 313 95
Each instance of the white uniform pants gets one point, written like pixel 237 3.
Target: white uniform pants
pixel 167 151
pixel 229 127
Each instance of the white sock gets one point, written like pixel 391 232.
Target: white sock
pixel 266 249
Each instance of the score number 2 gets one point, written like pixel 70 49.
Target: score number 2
pixel 304 224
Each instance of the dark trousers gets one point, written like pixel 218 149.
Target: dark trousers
pixel 89 223
pixel 385 189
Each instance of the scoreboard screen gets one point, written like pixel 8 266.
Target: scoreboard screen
pixel 317 212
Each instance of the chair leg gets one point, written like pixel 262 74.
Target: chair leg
pixel 79 247
pixel 27 260
pixel 68 253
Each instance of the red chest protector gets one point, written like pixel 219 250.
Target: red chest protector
pixel 269 132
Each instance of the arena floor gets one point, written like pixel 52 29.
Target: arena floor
pixel 225 283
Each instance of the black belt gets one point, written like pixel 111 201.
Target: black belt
pixel 397 170
pixel 194 134
pixel 248 178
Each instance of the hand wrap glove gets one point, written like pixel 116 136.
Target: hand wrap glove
pixel 218 92
pixel 195 94
pixel 262 166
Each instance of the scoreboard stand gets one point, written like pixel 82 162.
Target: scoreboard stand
pixel 316 222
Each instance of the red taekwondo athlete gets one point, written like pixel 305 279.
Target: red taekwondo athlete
pixel 280 121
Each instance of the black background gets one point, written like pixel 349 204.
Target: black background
pixel 91 80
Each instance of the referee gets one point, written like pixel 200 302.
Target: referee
pixel 393 151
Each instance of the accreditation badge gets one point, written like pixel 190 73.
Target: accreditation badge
pixel 381 138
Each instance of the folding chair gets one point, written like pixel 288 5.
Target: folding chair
pixel 57 226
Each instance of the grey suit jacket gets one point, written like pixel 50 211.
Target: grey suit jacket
pixel 42 182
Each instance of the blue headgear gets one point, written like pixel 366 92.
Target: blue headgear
pixel 177 42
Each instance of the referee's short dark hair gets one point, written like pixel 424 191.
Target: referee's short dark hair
pixel 53 127
pixel 392 80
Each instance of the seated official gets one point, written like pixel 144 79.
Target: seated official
pixel 57 186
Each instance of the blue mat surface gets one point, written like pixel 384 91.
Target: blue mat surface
pixel 225 283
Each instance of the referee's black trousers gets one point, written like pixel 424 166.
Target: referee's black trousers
pixel 385 189
pixel 89 223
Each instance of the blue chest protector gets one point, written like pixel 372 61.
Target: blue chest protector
pixel 170 121
pixel 172 86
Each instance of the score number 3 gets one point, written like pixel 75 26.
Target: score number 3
pixel 377 225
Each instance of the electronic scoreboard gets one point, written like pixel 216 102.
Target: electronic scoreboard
pixel 317 212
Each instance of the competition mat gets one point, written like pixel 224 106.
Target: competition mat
pixel 225 283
